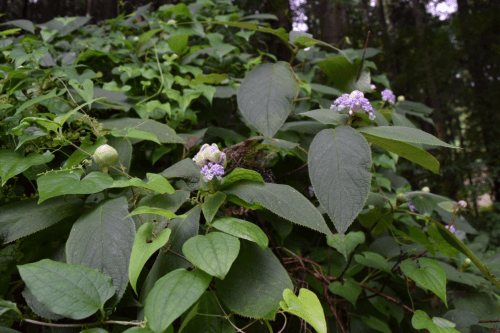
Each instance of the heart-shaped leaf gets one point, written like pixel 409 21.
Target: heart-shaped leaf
pixel 422 321
pixel 372 259
pixel 349 289
pixel 305 306
pixel 346 245
pixel 240 174
pixel 429 275
pixel 13 163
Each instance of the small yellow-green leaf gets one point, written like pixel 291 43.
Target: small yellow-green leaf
pixel 305 306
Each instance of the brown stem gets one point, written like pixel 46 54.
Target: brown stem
pixel 36 322
pixel 373 290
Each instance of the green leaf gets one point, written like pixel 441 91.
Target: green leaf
pixel 441 244
pixel 406 150
pixel 9 32
pixel 213 253
pixel 421 320
pixel 102 239
pixel 348 244
pixel 281 33
pixel 255 283
pixel 327 90
pixel 6 306
pixel 62 119
pixel 178 43
pixel 209 79
pixel 240 174
pixel 163 133
pixel 154 210
pixel 344 75
pixel 404 134
pixel 87 92
pixel 413 107
pixel 429 275
pixel 327 116
pixel 135 134
pixel 282 200
pixel 463 319
pixel 79 156
pixel 265 96
pixel 142 250
pixel 172 295
pixel 148 35
pixel 164 202
pixel 242 229
pixel 38 308
pixel 23 218
pixel 382 216
pixel 72 291
pixel 376 323
pixel 68 182
pixel 349 289
pixel 306 306
pixel 13 163
pixel 23 24
pixel 372 259
pixel 339 167
pixel 156 182
pixel 212 204
pixel 36 100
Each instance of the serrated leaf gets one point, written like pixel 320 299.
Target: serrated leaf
pixel 242 229
pixel 142 250
pixel 327 116
pixel 240 174
pixel 339 168
pixel 348 243
pixel 344 74
pixel 163 132
pixel 178 43
pixel 37 307
pixel 102 239
pixel 72 291
pixel 255 283
pixel 23 218
pixel 213 253
pixel 154 210
pixel 404 134
pixel 212 204
pixel 305 306
pixel 265 96
pixel 156 182
pixel 429 275
pixel 59 183
pixel 172 295
pixel 408 151
pixel 282 200
pixel 13 163
pixel 372 259
pixel 350 290
pixel 421 320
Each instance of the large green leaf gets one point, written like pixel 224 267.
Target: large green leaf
pixel 350 290
pixel 348 243
pixel 73 291
pixel 421 320
pixel 157 183
pixel 145 244
pixel 429 275
pixel 265 96
pixel 37 307
pixel 103 239
pixel 172 295
pixel 242 229
pixel 23 218
pixel 282 200
pixel 212 204
pixel 255 283
pixel 405 134
pixel 13 163
pixel 327 116
pixel 163 133
pixel 186 170
pixel 408 151
pixel 213 253
pixel 240 174
pixel 58 183
pixel 159 208
pixel 305 306
pixel 339 167
pixel 344 75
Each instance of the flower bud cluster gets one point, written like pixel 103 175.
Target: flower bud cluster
pixel 355 102
pixel 211 161
pixel 388 95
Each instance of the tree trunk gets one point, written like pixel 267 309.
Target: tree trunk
pixel 365 8
pixel 103 9
pixel 331 23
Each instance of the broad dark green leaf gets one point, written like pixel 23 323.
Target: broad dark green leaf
pixel 166 205
pixel 102 239
pixel 348 243
pixel 172 295
pixel 186 170
pixel 13 163
pixel 255 283
pixel 421 320
pixel 242 229
pixel 212 204
pixel 134 133
pixel 72 291
pixel 163 133
pixel 408 151
pixel 441 244
pixel 23 218
pixel 265 96
pixel 306 306
pixel 381 216
pixel 429 275
pixel 157 183
pixel 463 319
pixel 339 167
pixel 213 253
pixel 327 116
pixel 404 134
pixel 37 307
pixel 142 250
pixel 36 100
pixel 23 24
pixel 350 290
pixel 372 259
pixel 344 74
pixel 240 174
pixel 282 200
pixel 58 183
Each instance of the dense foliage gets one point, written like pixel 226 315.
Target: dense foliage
pixel 164 171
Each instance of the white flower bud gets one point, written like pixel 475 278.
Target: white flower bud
pixel 426 189
pixel 106 155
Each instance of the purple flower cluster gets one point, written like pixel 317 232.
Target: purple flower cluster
pixel 388 95
pixel 412 207
pixel 355 102
pixel 451 228
pixel 212 169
